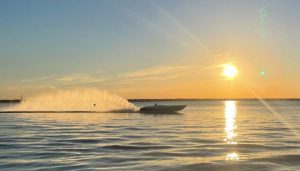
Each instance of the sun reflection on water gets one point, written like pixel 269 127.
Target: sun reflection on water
pixel 230 127
pixel 232 156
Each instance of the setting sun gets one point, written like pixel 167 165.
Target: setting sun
pixel 230 71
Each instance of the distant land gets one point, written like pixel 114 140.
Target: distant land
pixel 10 101
pixel 208 99
pixel 177 99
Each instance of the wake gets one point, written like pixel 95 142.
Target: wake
pixel 88 100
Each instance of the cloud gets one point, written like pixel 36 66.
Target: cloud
pixel 155 71
pixel 39 79
pixel 78 79
pixel 153 74
pixel 67 79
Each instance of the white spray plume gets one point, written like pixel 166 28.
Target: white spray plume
pixel 88 99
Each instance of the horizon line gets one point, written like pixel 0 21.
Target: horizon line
pixel 203 99
pixel 172 99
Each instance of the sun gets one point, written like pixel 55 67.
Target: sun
pixel 230 71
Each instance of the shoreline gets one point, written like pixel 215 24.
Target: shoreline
pixel 11 101
pixel 179 99
pixel 217 99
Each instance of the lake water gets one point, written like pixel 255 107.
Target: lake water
pixel 207 135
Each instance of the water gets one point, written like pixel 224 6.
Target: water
pixel 208 135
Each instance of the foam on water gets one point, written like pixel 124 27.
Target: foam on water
pixel 88 99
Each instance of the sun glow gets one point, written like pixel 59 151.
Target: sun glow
pixel 229 71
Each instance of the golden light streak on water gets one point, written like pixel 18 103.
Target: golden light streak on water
pixel 230 127
pixel 230 114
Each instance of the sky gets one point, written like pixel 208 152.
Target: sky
pixel 151 49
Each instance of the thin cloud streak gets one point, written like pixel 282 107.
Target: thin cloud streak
pixel 154 71
pixel 38 79
pixel 67 79
pixel 78 79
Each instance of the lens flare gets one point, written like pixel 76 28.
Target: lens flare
pixel 262 73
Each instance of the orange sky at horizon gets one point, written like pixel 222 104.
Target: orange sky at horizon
pixel 147 49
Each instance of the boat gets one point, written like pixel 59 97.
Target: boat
pixel 162 109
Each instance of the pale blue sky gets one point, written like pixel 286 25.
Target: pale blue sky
pixel 69 43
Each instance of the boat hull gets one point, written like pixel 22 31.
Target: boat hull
pixel 162 109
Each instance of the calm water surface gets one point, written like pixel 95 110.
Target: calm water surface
pixel 208 135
